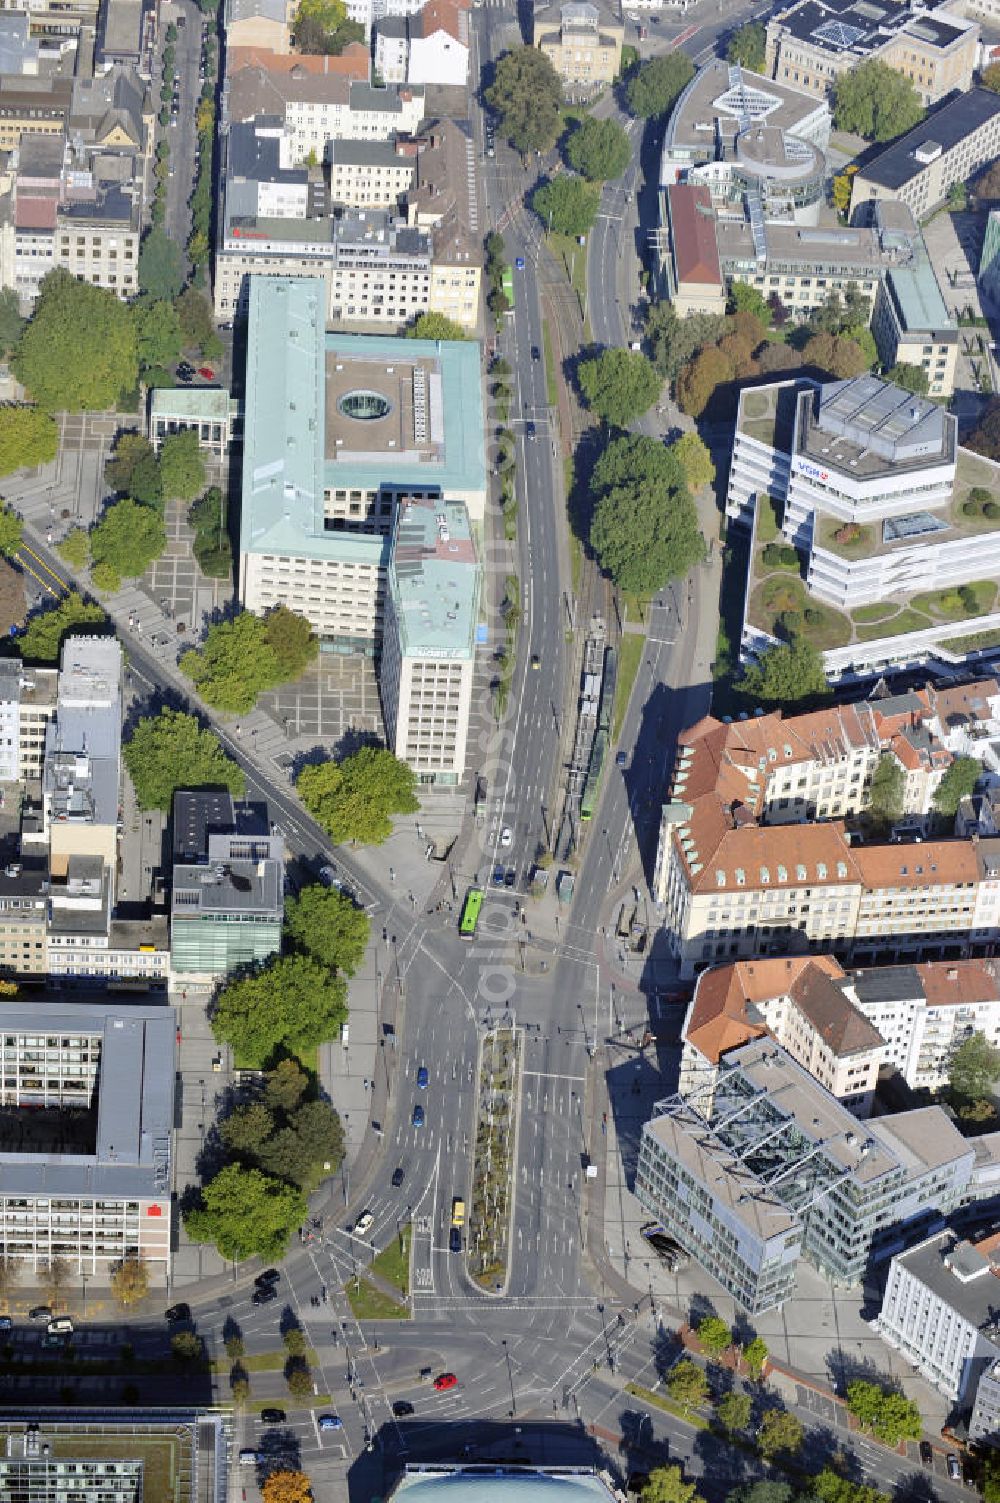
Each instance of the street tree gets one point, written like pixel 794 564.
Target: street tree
pixel 779 1431
pixel 644 529
pixel 159 340
pixel 666 1484
pixel 247 1128
pixel 764 1491
pixel 130 1281
pixel 329 926
pixel 434 326
pixel 829 1486
pixel 239 1386
pixel 654 88
pixel 197 324
pixel 692 454
pixel 715 1335
pixel 355 799
pixel 566 204
pixel 733 1411
pixel 687 1384
pixel 28 437
pixel 182 465
pixel 42 639
pixel 75 548
pixel 299 1378
pixel 888 790
pixel 187 1347
pixel 526 92
pixel 789 674
pixel 889 1414
pixel 11 322
pixel 698 381
pixel 170 750
pixel 748 45
pixel 105 577
pixel 291 1003
pixel 294 1341
pixel 162 271
pixel 247 1214
pixel 292 640
pixel 134 470
pixel 673 341
pixel 874 101
pixel 599 149
pixel 285 1086
pixel 309 1148
pixel 755 1356
pixel 128 538
pixel 957 783
pixel 909 377
pixel 286 1487
pixel 54 1278
pixel 78 353
pixel 619 385
pixel 234 664
pixel 973 1068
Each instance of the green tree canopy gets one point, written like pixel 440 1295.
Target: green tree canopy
pixel 291 1003
pixel 323 26
pixel 526 92
pixel 128 538
pixel 829 1487
pixel 170 751
pixel 356 798
pixel 286 1085
pixel 672 341
pixel 248 655
pixel 692 454
pixel 687 1384
pixel 28 437
pixel 599 149
pixel 891 1415
pixel 134 470
pixel 755 1355
pixel 989 78
pixel 973 1068
pixel 644 529
pixel 300 1151
pixel 779 1431
pixel 715 1335
pixel 567 204
pixel 78 353
pixel 619 385
pixel 247 1214
pixel 790 674
pixel 247 1129
pixel 162 271
pixel 667 1485
pixel 887 791
pixel 42 639
pixel 434 326
pixel 909 378
pixel 75 548
pixel 733 1412
pixel 748 45
pixel 11 322
pixel 957 783
pixel 653 89
pixel 746 299
pixel 196 323
pixel 182 465
pixel 873 100
pixel 158 334
pixel 699 379
pixel 327 925
pixel 11 531
pixel 292 640
pixel 764 1491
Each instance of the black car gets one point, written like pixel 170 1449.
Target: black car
pixel 498 876
pixel 926 1453
pixel 178 1312
pixel 40 1312
pixel 455 1239
pixel 534 352
pixel 510 877
pixel 401 1408
pixel 272 1416
pixel 398 1175
pixel 529 429
pixel 265 1295
pixel 267 1278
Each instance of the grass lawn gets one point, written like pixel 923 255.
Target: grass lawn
pixel 369 1303
pixel 393 1262
pixel 767 510
pixel 976 643
pixel 574 259
pixel 783 592
pixel 261 1362
pixel 629 657
pixel 551 384
pixel 948 605
pixel 907 620
pixel 635 606
pixel 877 611
pixel 307 1058
pixel 661 1401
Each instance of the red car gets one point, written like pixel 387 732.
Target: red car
pixel 445 1380
pixel 207 372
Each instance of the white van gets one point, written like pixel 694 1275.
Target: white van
pixel 60 1326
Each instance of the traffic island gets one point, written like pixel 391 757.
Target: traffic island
pixel 492 1199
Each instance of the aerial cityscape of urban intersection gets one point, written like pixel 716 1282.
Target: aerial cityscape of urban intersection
pixel 499 751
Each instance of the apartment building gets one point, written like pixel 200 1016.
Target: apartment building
pixel 769 1167
pixel 107 1193
pixel 949 147
pixel 33 106
pixel 370 174
pixel 582 41
pixel 227 894
pixel 429 639
pixel 259 23
pixel 27 704
pixel 812 42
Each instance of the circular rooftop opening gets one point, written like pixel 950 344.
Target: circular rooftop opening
pixel 364 406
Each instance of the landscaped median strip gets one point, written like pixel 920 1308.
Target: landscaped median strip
pixel 368 1302
pixel 660 1401
pixel 262 1362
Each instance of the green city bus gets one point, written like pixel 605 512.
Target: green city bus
pixel 469 921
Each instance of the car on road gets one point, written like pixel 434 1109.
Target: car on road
pixel 401 1408
pixel 269 1276
pixel 954 1470
pixel 534 352
pixel 330 1422
pixel 40 1312
pixel 926 1453
pixel 398 1176
pixel 6 1323
pixel 498 876
pixel 506 837
pixel 445 1380
pixel 510 877
pixel 206 372
pixel 519 262
pixel 418 1116
pixel 248 1456
pixel 328 876
pixel 60 1325
pixel 490 148
pixel 422 1078
pixel 455 1239
pixel 272 1416
pixel 529 430
pixel 178 1312
pixel 621 760
pixel 536 661
pixel 264 1296
pixel 364 1223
